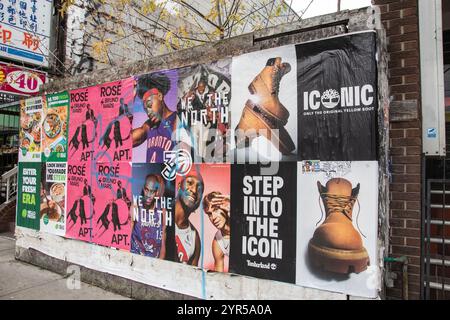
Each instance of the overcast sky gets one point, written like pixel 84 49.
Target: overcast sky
pixel 319 7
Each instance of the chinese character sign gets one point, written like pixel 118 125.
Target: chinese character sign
pixel 25 30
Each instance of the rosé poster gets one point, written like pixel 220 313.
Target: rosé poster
pixel 114 104
pixel 111 187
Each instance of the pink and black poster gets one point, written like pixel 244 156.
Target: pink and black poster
pixel 114 103
pixel 111 186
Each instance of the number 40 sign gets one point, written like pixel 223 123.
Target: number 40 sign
pixel 19 80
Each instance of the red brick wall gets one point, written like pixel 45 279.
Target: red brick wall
pixel 400 20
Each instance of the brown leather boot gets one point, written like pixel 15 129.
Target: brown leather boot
pixel 255 122
pixel 336 245
pixel 266 86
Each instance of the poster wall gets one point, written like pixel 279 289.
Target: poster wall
pixel 337 235
pixel 55 127
pixel 28 195
pixel 138 165
pixel 263 222
pixel 53 197
pixel 30 132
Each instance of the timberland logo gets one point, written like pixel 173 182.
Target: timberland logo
pixel 260 265
pixel 347 97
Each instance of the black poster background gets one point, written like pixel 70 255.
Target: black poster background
pixel 279 269
pixel 336 63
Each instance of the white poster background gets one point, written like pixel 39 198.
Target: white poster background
pixel 243 70
pixel 364 284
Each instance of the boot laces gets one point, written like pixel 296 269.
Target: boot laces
pixel 342 204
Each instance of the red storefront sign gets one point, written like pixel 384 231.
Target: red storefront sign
pixel 21 81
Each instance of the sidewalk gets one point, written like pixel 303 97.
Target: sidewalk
pixel 20 281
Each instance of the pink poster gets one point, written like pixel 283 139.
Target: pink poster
pixel 80 201
pixel 114 105
pixel 83 126
pixel 111 186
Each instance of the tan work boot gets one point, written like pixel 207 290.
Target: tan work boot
pixel 253 120
pixel 266 86
pixel 336 245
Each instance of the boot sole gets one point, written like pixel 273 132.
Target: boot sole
pixel 339 261
pixel 254 117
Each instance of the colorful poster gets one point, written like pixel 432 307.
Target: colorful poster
pixel 83 128
pixel 114 120
pixel 204 95
pixel 264 105
pixel 202 216
pixel 337 98
pixel 154 116
pixel 55 127
pixel 30 135
pixel 152 212
pixel 337 218
pixel 53 197
pixel 263 222
pixel 28 198
pixel 111 187
pixel 80 201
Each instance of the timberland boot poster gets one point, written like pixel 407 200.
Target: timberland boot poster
pixel 337 98
pixel 55 128
pixel 263 222
pixel 204 96
pixel 152 212
pixel 28 198
pixel 337 218
pixel 111 189
pixel 264 105
pixel 154 116
pixel 114 116
pixel 30 132
pixel 53 197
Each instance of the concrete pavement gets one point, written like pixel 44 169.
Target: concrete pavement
pixel 21 281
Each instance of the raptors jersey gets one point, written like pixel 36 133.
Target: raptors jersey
pixel 185 240
pixel 160 140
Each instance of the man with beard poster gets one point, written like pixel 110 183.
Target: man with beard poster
pixel 202 216
pixel 204 94
pixel 152 231
pixel 263 222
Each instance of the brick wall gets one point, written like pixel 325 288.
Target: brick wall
pixel 400 19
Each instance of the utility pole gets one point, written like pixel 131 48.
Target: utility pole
pixel 338 5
